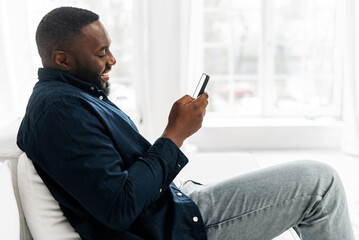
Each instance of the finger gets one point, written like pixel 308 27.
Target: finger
pixel 186 99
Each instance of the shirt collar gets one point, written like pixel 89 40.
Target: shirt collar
pixel 48 74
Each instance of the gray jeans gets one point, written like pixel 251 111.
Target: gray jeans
pixel 305 195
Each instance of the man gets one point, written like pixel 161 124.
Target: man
pixel 111 183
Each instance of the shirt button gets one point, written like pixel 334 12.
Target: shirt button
pixel 179 194
pixel 195 219
pixel 160 189
pixel 100 97
pixel 92 88
pixel 179 165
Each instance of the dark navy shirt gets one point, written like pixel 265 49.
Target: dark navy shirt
pixel 110 182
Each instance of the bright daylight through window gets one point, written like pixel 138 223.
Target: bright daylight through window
pixel 266 58
pixel 272 58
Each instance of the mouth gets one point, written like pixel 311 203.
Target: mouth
pixel 105 76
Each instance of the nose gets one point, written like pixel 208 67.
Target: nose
pixel 111 59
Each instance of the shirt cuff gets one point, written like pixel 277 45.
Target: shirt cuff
pixel 168 150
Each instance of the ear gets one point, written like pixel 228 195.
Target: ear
pixel 62 60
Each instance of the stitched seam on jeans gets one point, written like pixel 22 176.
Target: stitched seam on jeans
pixel 257 210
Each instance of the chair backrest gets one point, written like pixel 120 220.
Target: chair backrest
pixel 9 213
pixel 10 153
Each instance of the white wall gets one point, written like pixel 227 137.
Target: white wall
pixel 162 64
pixel 17 75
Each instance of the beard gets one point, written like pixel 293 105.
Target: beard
pixel 93 78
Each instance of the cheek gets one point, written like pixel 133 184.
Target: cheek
pixel 97 65
pixel 91 63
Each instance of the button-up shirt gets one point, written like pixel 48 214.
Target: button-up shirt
pixel 110 182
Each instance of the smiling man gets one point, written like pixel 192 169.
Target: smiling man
pixel 111 183
pixel 77 45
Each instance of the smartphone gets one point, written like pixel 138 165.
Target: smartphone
pixel 201 86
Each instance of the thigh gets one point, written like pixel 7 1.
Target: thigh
pixel 261 204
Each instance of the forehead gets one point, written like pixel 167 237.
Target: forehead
pixel 94 36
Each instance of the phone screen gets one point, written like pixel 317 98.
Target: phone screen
pixel 202 83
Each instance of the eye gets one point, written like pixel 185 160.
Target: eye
pixel 103 53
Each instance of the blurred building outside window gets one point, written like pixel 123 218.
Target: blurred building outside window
pixel 272 58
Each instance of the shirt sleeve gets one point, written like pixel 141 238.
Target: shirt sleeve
pixel 73 146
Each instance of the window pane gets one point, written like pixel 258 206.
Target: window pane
pixel 245 59
pixel 288 59
pixel 246 99
pixel 216 3
pixel 304 55
pixel 217 27
pixel 120 28
pixel 246 31
pixel 125 67
pixel 291 95
pixel 236 98
pixel 245 4
pixel 278 4
pixel 219 96
pixel 234 4
pixel 216 60
pixel 304 38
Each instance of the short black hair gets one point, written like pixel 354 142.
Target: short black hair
pixel 58 27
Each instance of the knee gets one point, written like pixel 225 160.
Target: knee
pixel 320 174
pixel 317 168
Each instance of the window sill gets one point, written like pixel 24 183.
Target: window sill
pixel 268 122
pixel 263 134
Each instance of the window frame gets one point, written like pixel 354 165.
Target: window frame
pixel 228 132
pixel 266 76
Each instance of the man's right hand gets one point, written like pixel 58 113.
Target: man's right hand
pixel 185 118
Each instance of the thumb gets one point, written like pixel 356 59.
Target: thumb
pixel 202 99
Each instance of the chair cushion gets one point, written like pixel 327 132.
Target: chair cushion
pixel 42 212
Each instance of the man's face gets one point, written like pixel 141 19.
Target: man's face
pixel 92 59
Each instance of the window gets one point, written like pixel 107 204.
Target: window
pixel 272 58
pixel 117 16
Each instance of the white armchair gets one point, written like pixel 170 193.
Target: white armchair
pixel 12 220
